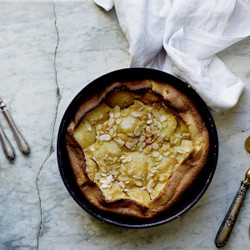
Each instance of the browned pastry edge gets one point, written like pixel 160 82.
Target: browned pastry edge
pixel 181 178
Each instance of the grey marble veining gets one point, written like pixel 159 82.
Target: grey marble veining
pixel 48 52
pixel 27 85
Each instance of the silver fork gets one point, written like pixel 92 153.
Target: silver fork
pixel 7 147
pixel 21 142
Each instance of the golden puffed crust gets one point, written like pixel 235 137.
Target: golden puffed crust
pixel 182 177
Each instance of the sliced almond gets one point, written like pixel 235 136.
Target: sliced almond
pixel 113 172
pixel 138 183
pixel 88 126
pixel 139 173
pixel 155 145
pixel 142 138
pixel 142 144
pixel 118 121
pixel 181 150
pixel 166 153
pixel 153 170
pixel 117 114
pixel 137 131
pixel 160 158
pixel 155 154
pixel 103 169
pixel 111 131
pixel 111 121
pixel 117 109
pixel 104 186
pixel 148 129
pixel 109 179
pixel 135 114
pixel 124 160
pixel 160 138
pixel 119 141
pixel 105 137
pixel 122 184
pixel 97 176
pixel 159 126
pixel 129 158
pixel 129 145
pixel 130 172
pixel 149 185
pixel 103 180
pixel 163 118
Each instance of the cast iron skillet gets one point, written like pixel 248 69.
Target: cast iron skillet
pixel 190 197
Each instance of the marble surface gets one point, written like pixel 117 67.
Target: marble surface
pixel 48 52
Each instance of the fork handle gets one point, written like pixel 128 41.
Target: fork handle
pixel 21 142
pixel 7 147
pixel 231 216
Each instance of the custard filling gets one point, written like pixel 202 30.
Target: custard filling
pixel 132 150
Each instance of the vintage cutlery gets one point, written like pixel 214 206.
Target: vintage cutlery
pixel 21 142
pixel 231 216
pixel 7 147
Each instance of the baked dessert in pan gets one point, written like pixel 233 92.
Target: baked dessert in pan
pixel 135 147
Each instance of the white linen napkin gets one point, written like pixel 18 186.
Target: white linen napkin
pixel 182 38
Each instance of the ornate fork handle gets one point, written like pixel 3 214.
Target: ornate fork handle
pixel 232 214
pixel 7 147
pixel 21 142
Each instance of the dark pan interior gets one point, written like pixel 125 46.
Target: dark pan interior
pixel 190 197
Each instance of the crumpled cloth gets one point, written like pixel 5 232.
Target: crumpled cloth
pixel 183 37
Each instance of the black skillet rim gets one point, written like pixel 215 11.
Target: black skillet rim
pixel 190 197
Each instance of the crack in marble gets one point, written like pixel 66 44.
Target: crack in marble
pixel 58 93
pixel 40 201
pixel 52 149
